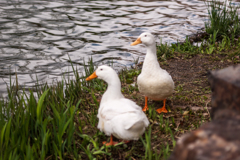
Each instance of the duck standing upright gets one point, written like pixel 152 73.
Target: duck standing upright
pixel 118 116
pixel 153 82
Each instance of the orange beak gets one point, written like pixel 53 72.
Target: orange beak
pixel 136 42
pixel 92 76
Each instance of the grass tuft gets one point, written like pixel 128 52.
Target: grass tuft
pixel 223 18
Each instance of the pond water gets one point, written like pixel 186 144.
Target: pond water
pixel 38 37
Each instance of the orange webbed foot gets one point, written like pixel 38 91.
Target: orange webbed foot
pixel 163 109
pixel 110 143
pixel 145 109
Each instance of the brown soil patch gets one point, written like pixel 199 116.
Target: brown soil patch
pixel 190 77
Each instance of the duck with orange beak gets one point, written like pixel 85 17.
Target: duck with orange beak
pixel 118 116
pixel 153 82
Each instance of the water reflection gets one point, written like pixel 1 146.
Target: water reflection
pixel 36 38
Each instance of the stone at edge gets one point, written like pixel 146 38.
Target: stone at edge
pixel 219 139
pixel 225 85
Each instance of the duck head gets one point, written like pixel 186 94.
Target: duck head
pixel 145 38
pixel 103 72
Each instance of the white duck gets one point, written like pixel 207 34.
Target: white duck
pixel 118 116
pixel 153 82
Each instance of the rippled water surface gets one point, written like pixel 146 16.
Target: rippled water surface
pixel 36 37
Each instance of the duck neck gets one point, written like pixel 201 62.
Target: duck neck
pixel 150 61
pixel 113 91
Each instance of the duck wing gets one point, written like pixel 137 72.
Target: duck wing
pixel 126 108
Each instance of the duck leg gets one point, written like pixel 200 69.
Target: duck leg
pixel 146 106
pixel 111 143
pixel 163 109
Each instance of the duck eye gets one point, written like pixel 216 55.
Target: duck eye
pixel 145 35
pixel 101 69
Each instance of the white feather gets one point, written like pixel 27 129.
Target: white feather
pixel 153 82
pixel 117 115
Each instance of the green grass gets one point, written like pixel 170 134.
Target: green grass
pixel 223 19
pixel 211 45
